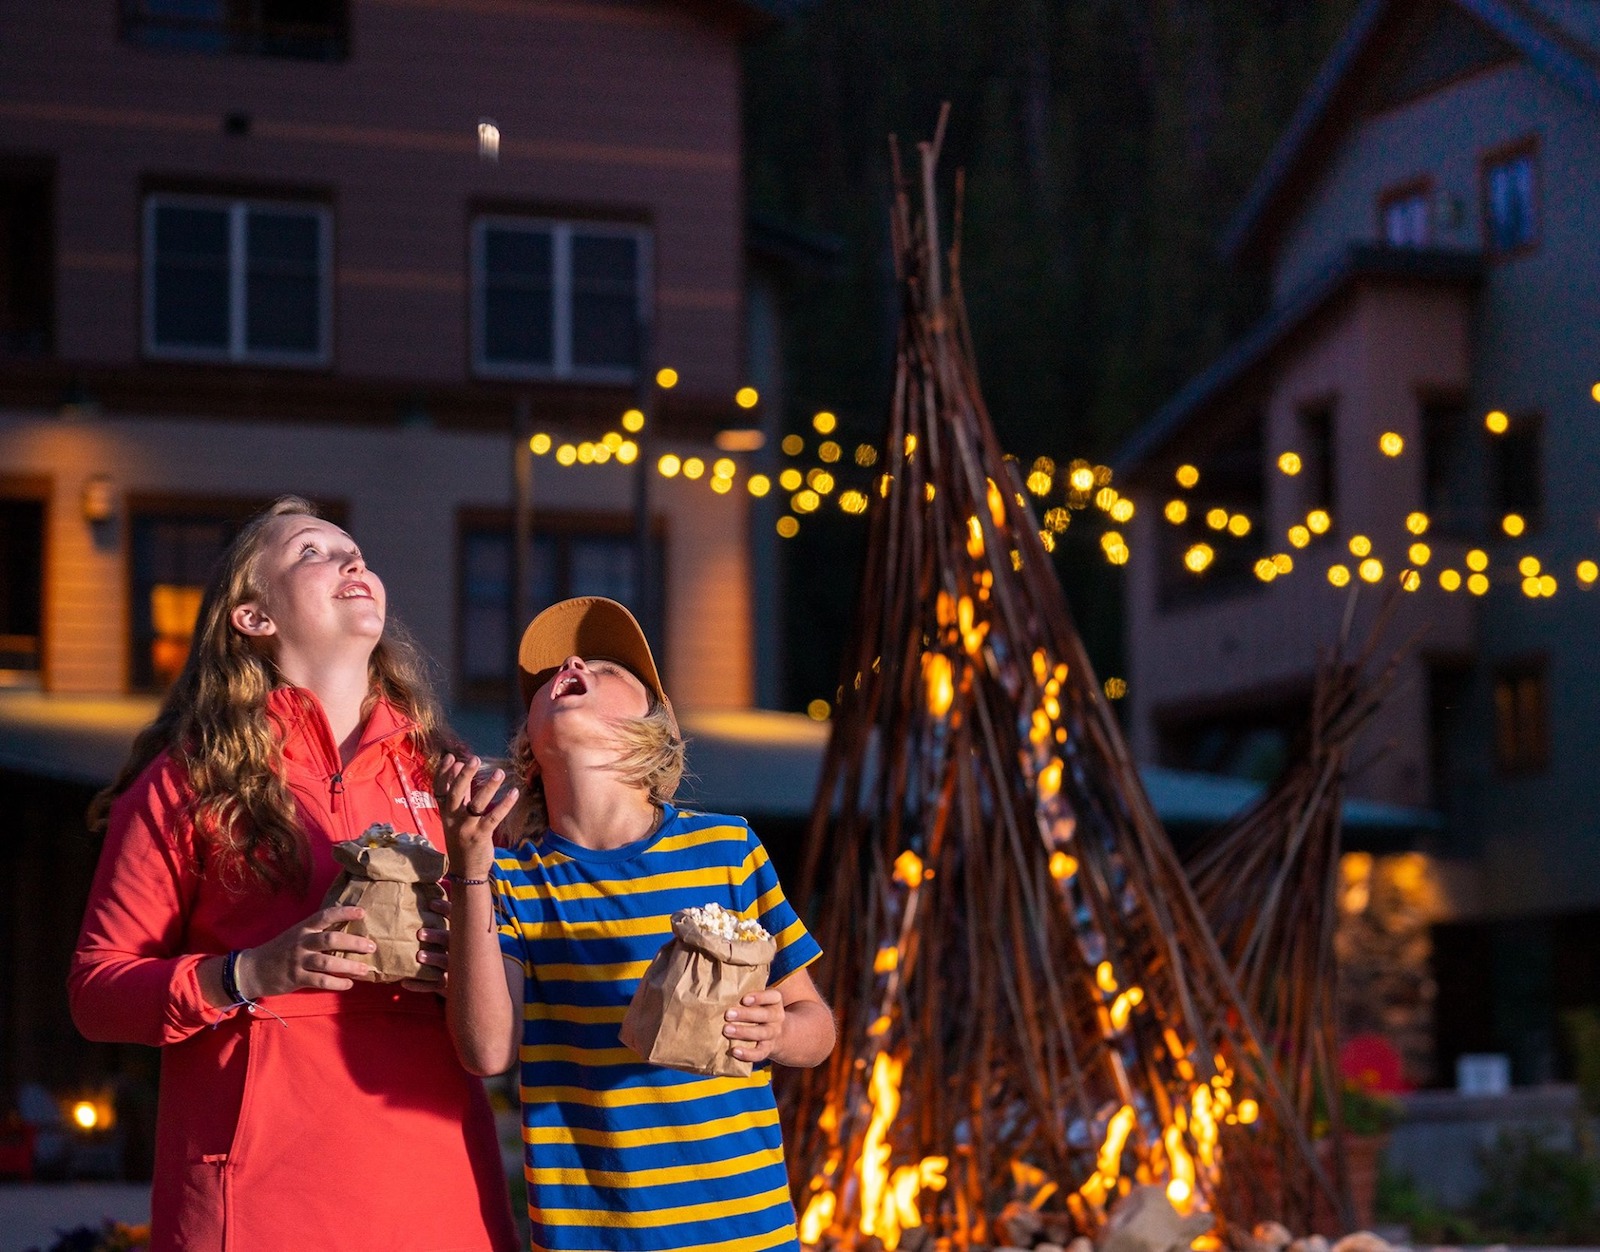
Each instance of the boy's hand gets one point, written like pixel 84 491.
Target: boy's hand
pixel 756 1025
pixel 434 950
pixel 470 813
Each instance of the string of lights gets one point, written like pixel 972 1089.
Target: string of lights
pixel 820 470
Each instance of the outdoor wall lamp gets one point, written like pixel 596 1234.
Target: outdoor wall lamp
pixel 99 499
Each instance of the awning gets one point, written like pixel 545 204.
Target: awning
pixel 753 762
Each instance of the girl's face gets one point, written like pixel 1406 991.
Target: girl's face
pixel 580 705
pixel 318 596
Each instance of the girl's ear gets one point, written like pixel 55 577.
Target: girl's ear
pixel 251 619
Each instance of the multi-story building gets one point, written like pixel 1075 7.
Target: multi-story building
pixel 362 251
pixel 1422 394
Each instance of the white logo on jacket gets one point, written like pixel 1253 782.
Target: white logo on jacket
pixel 418 800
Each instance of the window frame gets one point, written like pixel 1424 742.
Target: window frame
pixel 561 231
pixel 1525 760
pixel 1502 154
pixel 564 527
pixel 238 351
pixel 1420 187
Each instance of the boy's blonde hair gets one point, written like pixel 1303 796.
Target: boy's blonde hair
pixel 652 757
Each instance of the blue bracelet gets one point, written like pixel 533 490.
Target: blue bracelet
pixel 230 982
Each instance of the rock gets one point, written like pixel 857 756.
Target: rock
pixel 1362 1241
pixel 1019 1224
pixel 1271 1235
pixel 1145 1221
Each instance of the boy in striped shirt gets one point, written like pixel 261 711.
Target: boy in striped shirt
pixel 549 940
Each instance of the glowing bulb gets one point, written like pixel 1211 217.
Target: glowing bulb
pixel 1062 866
pixel 1360 545
pixel 1040 483
pixel 1420 553
pixel 1187 476
pixel 1122 510
pixel 1338 575
pixel 539 444
pixel 1410 580
pixel 1530 588
pixel 1299 536
pixel 790 479
pixel 628 452
pixel 866 455
pixel 1217 519
pixel 1513 524
pixel 818 710
pixel 1265 570
pixel 1177 512
pixel 1477 560
pixel 1283 562
pixel 1289 463
pixel 1318 521
pixel 669 465
pixel 667 378
pixel 788 527
pixel 1249 1110
pixel 747 397
pixel 853 502
pixel 793 445
pixel 566 454
pixel 1528 567
pixel 829 451
pixel 1547 584
pixel 633 421
pixel 824 423
pixel 1417 523
pixel 1082 478
pixel 693 467
pixel 1497 422
pixel 1198 557
pixel 1391 444
pixel 1371 570
pixel 758 485
pixel 1588 571
pixel 1450 579
pixel 1238 525
pixel 1478 584
pixel 1116 688
pixel 85 1114
pixel 805 501
pixel 723 467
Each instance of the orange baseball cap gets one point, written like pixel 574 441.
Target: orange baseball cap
pixel 590 627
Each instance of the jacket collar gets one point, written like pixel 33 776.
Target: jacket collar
pixel 308 740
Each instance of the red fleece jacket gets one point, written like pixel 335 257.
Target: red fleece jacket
pixel 349 1123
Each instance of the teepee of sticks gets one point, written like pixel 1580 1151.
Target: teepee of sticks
pixel 1032 1008
pixel 1268 882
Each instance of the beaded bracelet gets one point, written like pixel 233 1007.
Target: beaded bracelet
pixel 465 882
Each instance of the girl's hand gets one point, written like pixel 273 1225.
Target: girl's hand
pixel 756 1025
pixel 470 813
pixel 306 955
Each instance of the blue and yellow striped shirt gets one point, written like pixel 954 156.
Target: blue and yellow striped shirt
pixel 621 1155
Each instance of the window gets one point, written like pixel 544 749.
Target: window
pixel 1405 216
pixel 21 585
pixel 27 262
pixel 1511 201
pixel 173 544
pixel 1521 716
pixel 1250 740
pixel 237 280
pixel 571 556
pixel 1449 687
pixel 308 30
pixel 558 299
pixel 1318 463
pixel 1450 494
pixel 1516 471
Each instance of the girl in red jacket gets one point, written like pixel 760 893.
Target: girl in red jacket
pixel 302 1105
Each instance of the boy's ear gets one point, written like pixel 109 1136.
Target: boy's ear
pixel 251 619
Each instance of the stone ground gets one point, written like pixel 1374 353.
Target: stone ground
pixel 31 1213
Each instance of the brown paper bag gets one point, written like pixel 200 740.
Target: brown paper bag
pixel 677 1014
pixel 395 878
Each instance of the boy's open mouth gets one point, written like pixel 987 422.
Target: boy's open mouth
pixel 568 683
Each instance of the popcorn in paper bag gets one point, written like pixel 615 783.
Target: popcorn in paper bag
pixel 395 878
pixel 713 960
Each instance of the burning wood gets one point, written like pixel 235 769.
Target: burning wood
pixel 1033 1012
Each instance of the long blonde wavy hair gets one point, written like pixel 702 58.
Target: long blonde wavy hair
pixel 214 721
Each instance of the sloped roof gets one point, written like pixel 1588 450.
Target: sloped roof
pixel 1561 38
pixel 1357 261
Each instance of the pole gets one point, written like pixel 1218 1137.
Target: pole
pixel 517 607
